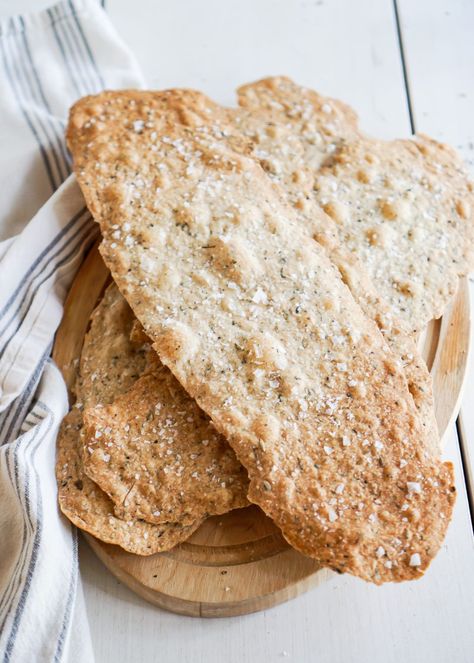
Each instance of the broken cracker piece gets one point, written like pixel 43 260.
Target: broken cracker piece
pixel 90 509
pixel 145 441
pixel 109 365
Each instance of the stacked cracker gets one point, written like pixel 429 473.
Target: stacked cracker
pixel 201 476
pixel 290 327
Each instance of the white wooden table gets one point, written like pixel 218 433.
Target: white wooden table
pixel 403 65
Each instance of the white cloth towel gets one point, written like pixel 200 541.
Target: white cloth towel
pixel 47 61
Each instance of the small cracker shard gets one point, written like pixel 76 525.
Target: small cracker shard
pixel 159 457
pixel 324 424
pixel 405 208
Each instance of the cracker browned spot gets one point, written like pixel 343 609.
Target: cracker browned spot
pixel 289 369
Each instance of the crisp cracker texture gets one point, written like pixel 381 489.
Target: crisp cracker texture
pixel 159 457
pixel 151 449
pixel 408 214
pixel 405 208
pixel 260 135
pixel 306 126
pixel 255 322
pixel 90 509
pixel 110 364
pixel 291 152
pixel 111 360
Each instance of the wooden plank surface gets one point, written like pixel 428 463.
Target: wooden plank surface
pixel 339 47
pixel 439 52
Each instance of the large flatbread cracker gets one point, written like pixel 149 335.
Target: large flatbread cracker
pixel 405 208
pixel 269 138
pixel 256 323
pixel 291 152
pixel 262 137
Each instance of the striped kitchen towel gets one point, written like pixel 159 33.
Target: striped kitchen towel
pixel 47 61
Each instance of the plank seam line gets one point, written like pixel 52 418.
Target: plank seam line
pixel 404 66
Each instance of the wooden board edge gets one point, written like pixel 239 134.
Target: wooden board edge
pixel 452 358
pixel 217 609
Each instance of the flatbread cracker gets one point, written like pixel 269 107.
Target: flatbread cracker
pixel 157 454
pixel 109 365
pixel 405 208
pixel 255 322
pixel 408 214
pixel 90 509
pixel 111 360
pixel 297 113
pixel 290 152
pixel 151 449
pixel 267 134
pixel 290 163
pixel 268 139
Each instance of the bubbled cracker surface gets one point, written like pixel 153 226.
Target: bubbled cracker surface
pixel 306 127
pixel 412 211
pixel 255 322
pixel 271 140
pixel 403 207
pixel 109 365
pixel 280 142
pixel 291 152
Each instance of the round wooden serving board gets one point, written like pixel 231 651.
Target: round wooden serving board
pixel 240 563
